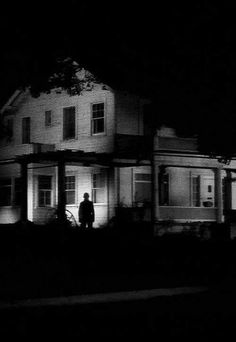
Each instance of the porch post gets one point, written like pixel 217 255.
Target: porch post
pixel 228 195
pixel 61 191
pixel 155 191
pixel 219 195
pixel 155 181
pixel 24 198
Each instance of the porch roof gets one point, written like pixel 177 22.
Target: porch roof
pixel 82 158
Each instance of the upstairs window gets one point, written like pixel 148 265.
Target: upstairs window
pixel 99 187
pixel 44 191
pixel 69 123
pixel 48 118
pixel 5 191
pixel 26 130
pixel 142 188
pixel 70 189
pixel 98 118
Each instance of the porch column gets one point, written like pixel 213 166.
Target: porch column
pixel 219 199
pixel 155 191
pixel 228 195
pixel 24 198
pixel 61 191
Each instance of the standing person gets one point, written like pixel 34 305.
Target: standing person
pixel 86 212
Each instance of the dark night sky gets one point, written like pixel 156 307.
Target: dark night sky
pixel 182 56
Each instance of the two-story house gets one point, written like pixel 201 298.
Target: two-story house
pixel 60 146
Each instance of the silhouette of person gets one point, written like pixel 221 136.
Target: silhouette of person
pixel 86 212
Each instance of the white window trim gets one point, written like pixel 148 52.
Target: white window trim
pixel 68 174
pixel 134 172
pixel 76 124
pixel 52 193
pixel 91 119
pixel 105 187
pixel 194 175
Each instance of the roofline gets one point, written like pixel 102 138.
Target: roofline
pixel 16 93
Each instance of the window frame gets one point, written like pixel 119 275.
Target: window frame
pixel 94 189
pixel 64 138
pixel 104 119
pixel 143 182
pixel 45 190
pixel 26 130
pixel 75 187
pixel 196 176
pixel 46 123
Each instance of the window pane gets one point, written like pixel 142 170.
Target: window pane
pixel 99 196
pixel 99 188
pixel 98 125
pixel 69 123
pixel 70 182
pixel 26 130
pixel 41 198
pixel 70 197
pixel 98 110
pixel 45 182
pixel 196 191
pixel 45 192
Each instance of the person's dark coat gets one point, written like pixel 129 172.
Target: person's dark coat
pixel 86 211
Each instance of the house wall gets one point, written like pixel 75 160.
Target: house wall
pixel 123 114
pixel 35 108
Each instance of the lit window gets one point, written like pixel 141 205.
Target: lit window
pixel 99 188
pixel 70 189
pixel 98 118
pixel 69 123
pixel 26 130
pixel 142 188
pixel 44 191
pixel 5 191
pixel 48 118
pixel 196 191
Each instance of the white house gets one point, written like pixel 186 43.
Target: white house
pixel 60 146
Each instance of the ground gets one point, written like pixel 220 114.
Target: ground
pixel 39 262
